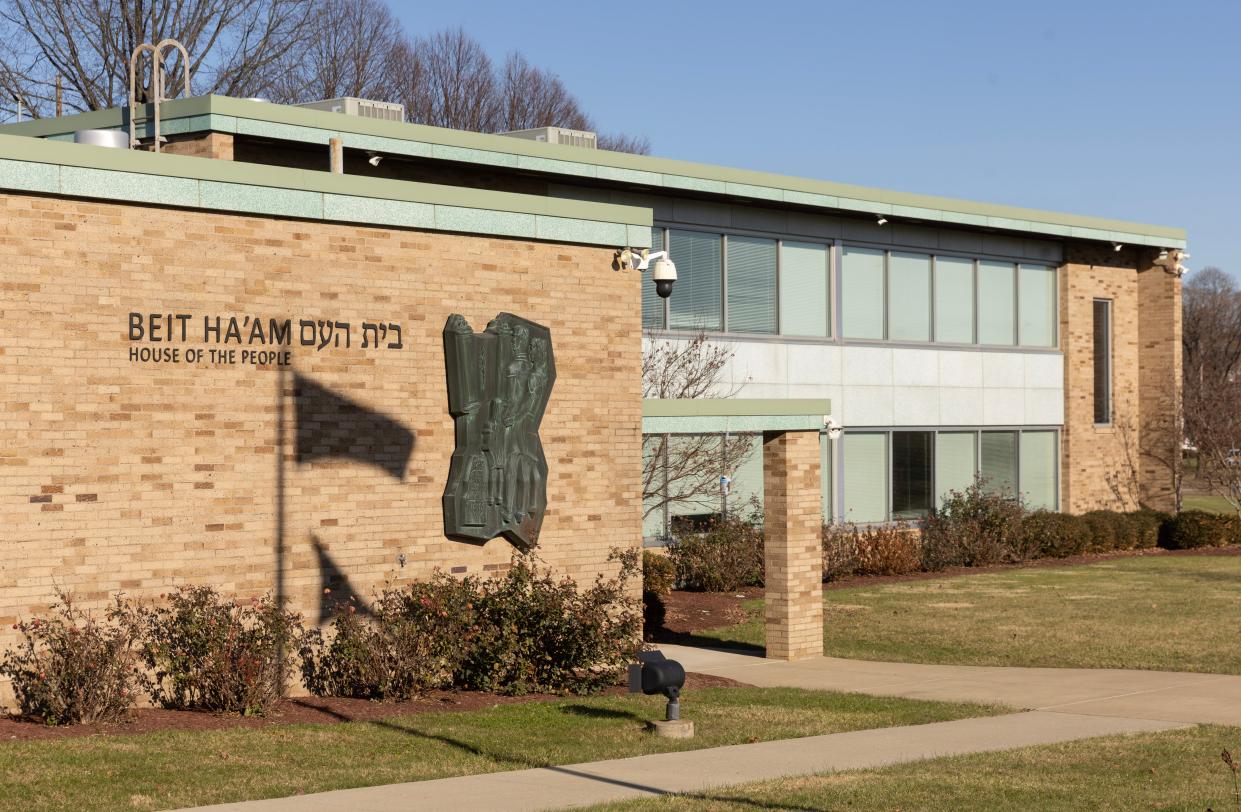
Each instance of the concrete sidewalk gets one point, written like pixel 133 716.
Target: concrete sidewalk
pixel 699 771
pixel 1153 695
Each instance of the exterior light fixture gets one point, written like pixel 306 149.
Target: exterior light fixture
pixel 883 221
pixel 374 159
pixel 663 272
pixel 656 674
pixel 1172 261
pixel 1116 246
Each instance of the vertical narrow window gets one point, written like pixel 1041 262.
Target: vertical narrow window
pixel 652 305
pixel 1039 462
pixel 954 300
pixel 912 464
pixel 955 455
pixel 751 285
pixel 826 481
pixel 696 299
pixel 861 295
pixel 909 297
pixel 1036 297
pixel 1102 361
pixel 654 470
pixel 996 303
pixel 866 477
pixel 746 491
pixel 804 303
pixel 999 462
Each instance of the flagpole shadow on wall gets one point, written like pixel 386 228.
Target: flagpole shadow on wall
pixel 330 425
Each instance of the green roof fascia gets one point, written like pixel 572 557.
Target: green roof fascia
pixel 711 415
pixel 244 116
pixel 55 167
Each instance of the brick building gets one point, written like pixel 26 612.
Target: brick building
pixel 944 339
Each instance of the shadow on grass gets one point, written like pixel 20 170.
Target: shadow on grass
pixel 600 713
pixel 662 635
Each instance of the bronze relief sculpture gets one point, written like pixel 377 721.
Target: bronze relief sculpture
pixel 499 382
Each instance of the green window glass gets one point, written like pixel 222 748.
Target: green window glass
pixel 909 297
pixel 1038 469
pixel 751 285
pixel 999 461
pixel 804 305
pixel 954 300
pixel 652 305
pixel 746 491
pixel 912 463
pixel 954 461
pixel 866 477
pixel 653 486
pixel 995 303
pixel 706 502
pixel 1036 300
pixel 861 294
pixel 695 303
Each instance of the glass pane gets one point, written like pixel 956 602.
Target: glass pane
pixel 999 461
pixel 1102 362
pixel 954 461
pixel 995 303
pixel 909 297
pixel 954 300
pixel 911 473
pixel 825 478
pixel 751 285
pixel 746 491
pixel 803 289
pixel 1036 298
pixel 861 295
pixel 695 302
pixel 652 305
pixel 699 489
pixel 866 477
pixel 653 486
pixel 1038 469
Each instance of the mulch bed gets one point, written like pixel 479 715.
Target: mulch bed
pixel 688 613
pixel 303 710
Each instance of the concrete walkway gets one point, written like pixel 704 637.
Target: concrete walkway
pixel 1153 695
pixel 700 771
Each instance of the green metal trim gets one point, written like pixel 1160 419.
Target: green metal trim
pixel 734 424
pixel 54 167
pixel 304 124
pixel 737 407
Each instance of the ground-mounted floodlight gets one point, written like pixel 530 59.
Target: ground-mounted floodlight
pixel 656 674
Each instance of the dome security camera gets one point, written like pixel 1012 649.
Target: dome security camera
pixel 664 274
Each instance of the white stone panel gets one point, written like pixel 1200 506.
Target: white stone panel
pixel 1005 370
pixel 866 406
pixel 867 366
pixel 1044 407
pixel 960 406
pixel 960 368
pixel 915 367
pixel 1045 371
pixel 916 406
pixel 1003 406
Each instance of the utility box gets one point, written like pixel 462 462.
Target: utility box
pixel 362 108
pixel 558 135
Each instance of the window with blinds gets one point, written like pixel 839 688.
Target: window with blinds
pixel 954 300
pixel 804 289
pixel 1102 349
pixel 955 462
pixel 751 277
pixel 1036 298
pixel 862 286
pixel 696 302
pixel 825 479
pixel 996 303
pixel 912 459
pixel 652 304
pixel 746 490
pixel 866 477
pixel 998 461
pixel 1039 461
pixel 909 297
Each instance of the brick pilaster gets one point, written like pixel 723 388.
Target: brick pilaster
pixel 793 551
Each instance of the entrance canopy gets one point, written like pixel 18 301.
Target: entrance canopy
pixel 733 415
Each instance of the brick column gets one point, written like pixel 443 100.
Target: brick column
pixel 793 517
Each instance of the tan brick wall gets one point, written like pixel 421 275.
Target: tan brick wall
pixel 1159 381
pixel 1104 466
pixel 121 475
pixel 793 555
pixel 202 145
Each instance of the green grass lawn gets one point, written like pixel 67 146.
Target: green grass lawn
pixel 1206 501
pixel 1176 770
pixel 166 770
pixel 1166 613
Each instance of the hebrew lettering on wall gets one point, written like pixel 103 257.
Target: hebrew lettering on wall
pixel 499 383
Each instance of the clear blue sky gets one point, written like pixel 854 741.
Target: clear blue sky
pixel 1129 110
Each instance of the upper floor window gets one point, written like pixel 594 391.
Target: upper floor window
pixel 1102 349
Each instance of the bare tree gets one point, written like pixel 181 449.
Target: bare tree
pixel 351 49
pixel 1211 344
pixel 459 89
pixel 531 97
pixel 619 142
pixel 235 46
pixel 685 468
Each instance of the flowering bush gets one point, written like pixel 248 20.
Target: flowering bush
pixel 72 668
pixel 207 653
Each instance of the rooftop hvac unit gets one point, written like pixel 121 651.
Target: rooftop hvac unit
pixel 558 135
pixel 363 108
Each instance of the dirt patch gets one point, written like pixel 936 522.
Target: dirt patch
pixel 690 612
pixel 306 710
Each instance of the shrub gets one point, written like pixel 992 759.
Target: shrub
pixel 1196 528
pixel 971 528
pixel 208 653
pixel 413 641
pixel 726 556
pixel 530 632
pixel 658 573
pixel 1046 534
pixel 72 668
pixel 839 551
pixel 888 549
pixel 1150 527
